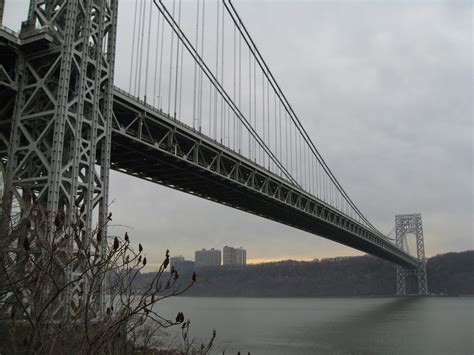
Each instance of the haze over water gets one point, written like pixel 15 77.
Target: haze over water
pixel 331 325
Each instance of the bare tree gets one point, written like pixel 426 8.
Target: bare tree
pixel 189 344
pixel 62 287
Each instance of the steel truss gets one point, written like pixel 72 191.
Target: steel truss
pixel 62 123
pixel 152 145
pixel 68 120
pixel 8 90
pixel 404 224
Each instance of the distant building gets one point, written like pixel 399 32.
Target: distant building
pixel 184 267
pixel 234 256
pixel 205 257
pixel 241 256
pixel 176 259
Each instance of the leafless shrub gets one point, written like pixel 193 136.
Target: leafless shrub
pixel 63 288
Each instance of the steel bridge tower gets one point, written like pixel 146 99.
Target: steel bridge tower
pixel 404 224
pixel 59 155
pixel 2 8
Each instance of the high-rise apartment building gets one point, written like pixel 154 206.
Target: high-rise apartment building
pixel 205 257
pixel 234 256
pixel 176 259
pixel 241 256
pixel 184 267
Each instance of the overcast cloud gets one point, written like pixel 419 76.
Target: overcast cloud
pixel 384 88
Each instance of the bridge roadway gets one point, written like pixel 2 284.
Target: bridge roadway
pixel 148 144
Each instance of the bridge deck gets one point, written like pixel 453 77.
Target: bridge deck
pixel 150 145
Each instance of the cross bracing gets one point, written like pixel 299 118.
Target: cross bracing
pixel 202 114
pixel 153 146
pixel 204 69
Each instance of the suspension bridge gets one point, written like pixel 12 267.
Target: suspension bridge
pixel 189 103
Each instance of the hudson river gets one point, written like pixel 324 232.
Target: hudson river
pixel 275 326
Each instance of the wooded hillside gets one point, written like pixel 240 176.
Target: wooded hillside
pixel 450 274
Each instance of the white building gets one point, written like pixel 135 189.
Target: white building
pixel 234 256
pixel 205 257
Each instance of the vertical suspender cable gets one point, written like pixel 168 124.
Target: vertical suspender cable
pixel 333 194
pixel 177 65
pixel 195 92
pixel 156 58
pixel 210 108
pixel 307 167
pixel 235 85
pixel 275 126
pixel 148 51
pixel 240 91
pixel 297 161
pixel 298 157
pixel 263 116
pixel 268 122
pixel 280 143
pixel 250 42
pixel 313 174
pixel 267 117
pixel 318 185
pixel 213 80
pixel 301 156
pixel 217 70
pixel 222 78
pixel 142 39
pixel 295 146
pixel 201 91
pixel 250 104
pixel 255 107
pixel 286 139
pixel 171 64
pixel 291 146
pixel 160 94
pixel 137 64
pixel 180 77
pixel 324 185
pixel 303 166
pixel 133 47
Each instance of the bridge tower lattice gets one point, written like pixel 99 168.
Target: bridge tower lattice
pixel 404 224
pixel 61 127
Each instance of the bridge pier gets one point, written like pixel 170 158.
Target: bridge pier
pixel 404 224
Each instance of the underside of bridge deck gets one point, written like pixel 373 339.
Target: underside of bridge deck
pixel 148 145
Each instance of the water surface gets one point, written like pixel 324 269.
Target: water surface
pixel 331 325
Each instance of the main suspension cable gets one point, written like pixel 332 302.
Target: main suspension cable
pixel 217 85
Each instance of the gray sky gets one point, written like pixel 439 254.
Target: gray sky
pixel 384 88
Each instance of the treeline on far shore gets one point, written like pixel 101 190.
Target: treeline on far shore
pixel 450 274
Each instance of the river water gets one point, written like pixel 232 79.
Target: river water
pixel 331 325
